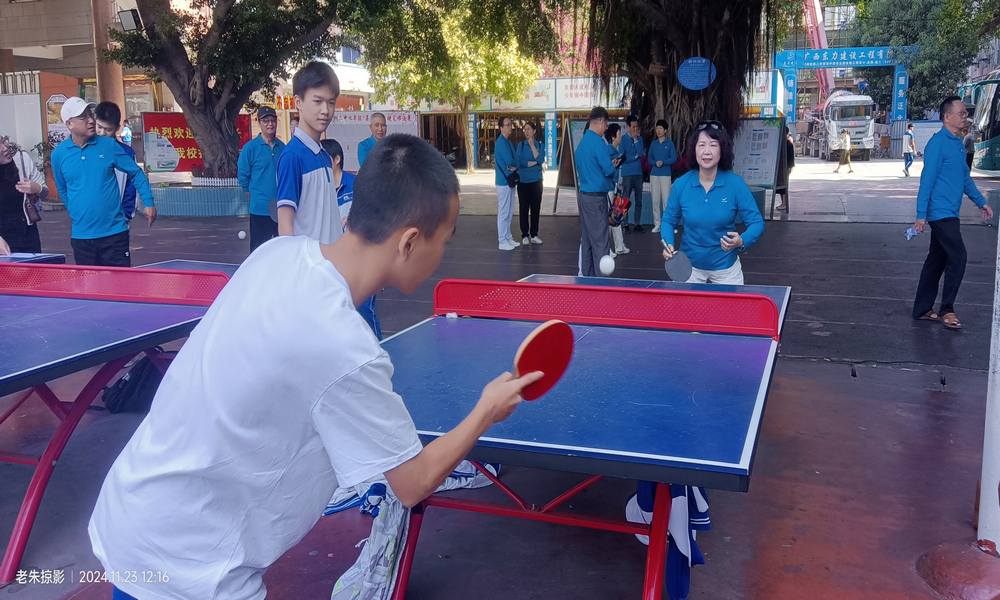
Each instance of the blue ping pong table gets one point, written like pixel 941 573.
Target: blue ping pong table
pixel 687 412
pixel 57 332
pixel 34 257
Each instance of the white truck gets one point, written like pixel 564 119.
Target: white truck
pixel 843 110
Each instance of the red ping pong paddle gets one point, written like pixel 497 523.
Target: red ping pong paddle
pixel 548 349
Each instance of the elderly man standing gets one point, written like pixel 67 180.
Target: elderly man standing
pixel 83 167
pixel 505 163
pixel 258 176
pixel 377 125
pixel 943 181
pixel 594 170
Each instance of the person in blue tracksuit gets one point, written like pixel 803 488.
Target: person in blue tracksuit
pixel 505 163
pixel 662 155
pixel 634 149
pixel 594 171
pixel 257 169
pixel 945 179
pixel 530 156
pixel 709 198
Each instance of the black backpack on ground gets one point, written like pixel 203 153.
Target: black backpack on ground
pixel 134 391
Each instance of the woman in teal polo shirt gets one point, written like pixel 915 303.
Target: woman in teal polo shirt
pixel 530 156
pixel 709 198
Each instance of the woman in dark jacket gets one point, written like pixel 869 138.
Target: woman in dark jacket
pixel 16 228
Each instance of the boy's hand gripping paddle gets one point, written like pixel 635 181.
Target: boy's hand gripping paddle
pixel 548 349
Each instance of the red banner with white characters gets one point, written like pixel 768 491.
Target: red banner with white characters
pixel 169 144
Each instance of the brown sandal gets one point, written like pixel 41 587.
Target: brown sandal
pixel 950 321
pixel 929 316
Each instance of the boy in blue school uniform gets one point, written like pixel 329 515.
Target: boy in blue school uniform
pixel 83 167
pixel 108 116
pixel 307 196
pixel 345 199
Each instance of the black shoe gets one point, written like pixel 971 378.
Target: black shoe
pixel 639 229
pixel 627 228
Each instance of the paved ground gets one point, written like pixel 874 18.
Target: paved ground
pixel 870 451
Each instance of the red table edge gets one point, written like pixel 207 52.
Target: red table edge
pixel 768 324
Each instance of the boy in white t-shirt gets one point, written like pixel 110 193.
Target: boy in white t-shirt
pixel 281 393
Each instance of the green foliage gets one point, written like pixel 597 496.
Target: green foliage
pixel 936 70
pixel 455 51
pixel 970 22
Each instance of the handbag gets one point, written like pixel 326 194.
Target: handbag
pixel 512 178
pixel 30 200
pixel 617 207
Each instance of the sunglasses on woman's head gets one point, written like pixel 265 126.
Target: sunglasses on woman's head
pixel 708 124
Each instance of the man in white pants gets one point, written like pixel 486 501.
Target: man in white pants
pixel 504 164
pixel 662 155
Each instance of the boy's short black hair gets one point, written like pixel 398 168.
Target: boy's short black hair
pixel 727 155
pixel 334 149
pixel 108 112
pixel 597 113
pixel 405 182
pixel 662 123
pixel 910 126
pixel 314 75
pixel 629 120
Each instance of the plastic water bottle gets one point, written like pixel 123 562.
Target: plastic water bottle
pixel 911 233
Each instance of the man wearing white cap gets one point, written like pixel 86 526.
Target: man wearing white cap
pixel 83 167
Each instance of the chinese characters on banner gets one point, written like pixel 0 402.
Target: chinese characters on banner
pixel 169 144
pixel 351 128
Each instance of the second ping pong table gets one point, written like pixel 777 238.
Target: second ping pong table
pixel 700 365
pixel 57 320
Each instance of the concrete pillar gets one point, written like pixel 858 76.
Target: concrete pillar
pixel 989 500
pixel 110 85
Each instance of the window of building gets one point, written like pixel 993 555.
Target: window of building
pixel 350 55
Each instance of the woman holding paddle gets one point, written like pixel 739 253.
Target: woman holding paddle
pixel 709 198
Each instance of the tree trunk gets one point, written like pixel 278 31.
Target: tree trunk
pixel 218 141
pixel 470 151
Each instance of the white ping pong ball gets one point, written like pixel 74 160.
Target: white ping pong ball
pixel 607 265
pixel 242 235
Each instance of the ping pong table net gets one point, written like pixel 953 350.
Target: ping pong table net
pixel 703 311
pixel 159 286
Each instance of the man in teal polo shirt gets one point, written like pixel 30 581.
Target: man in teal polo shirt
pixel 377 125
pixel 594 172
pixel 83 167
pixel 258 176
pixel 944 181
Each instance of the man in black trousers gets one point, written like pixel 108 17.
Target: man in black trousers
pixel 943 181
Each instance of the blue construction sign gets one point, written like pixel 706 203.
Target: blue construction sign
pixel 790 61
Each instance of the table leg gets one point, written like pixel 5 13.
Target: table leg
pixel 406 562
pixel 29 508
pixel 656 557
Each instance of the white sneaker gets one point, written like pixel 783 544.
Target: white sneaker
pixel 656 229
pixel 525 241
pixel 612 254
pixel 514 242
pixel 508 245
pixel 535 240
pixel 624 250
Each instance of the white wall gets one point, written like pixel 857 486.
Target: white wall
pixel 21 120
